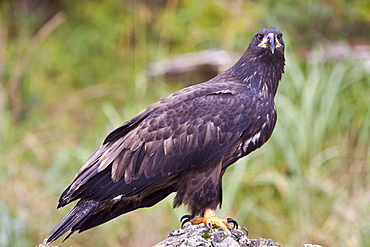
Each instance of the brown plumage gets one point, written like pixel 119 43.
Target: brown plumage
pixel 182 143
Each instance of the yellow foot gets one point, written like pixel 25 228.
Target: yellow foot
pixel 210 219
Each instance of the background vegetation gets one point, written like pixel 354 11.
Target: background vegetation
pixel 71 71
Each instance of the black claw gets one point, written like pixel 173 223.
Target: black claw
pixel 235 235
pixel 186 216
pixel 185 219
pixel 244 229
pixel 184 222
pixel 232 221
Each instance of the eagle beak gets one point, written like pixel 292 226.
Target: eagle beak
pixel 270 41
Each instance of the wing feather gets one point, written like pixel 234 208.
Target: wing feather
pixel 118 167
pixel 188 129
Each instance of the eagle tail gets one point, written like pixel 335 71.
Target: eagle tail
pixel 88 214
pixel 73 220
pixel 106 215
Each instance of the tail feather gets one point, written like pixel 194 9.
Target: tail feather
pixel 106 215
pixel 76 216
pixel 88 214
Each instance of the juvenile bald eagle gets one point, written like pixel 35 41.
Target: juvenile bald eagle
pixel 182 143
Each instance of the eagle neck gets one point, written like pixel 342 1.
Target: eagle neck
pixel 261 70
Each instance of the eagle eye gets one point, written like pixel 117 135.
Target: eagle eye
pixel 259 37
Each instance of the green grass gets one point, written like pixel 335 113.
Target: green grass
pixel 69 80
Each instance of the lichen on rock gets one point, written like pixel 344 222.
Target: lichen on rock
pixel 201 235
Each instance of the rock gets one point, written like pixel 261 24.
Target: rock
pixel 201 235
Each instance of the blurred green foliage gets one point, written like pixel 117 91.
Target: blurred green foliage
pixel 71 71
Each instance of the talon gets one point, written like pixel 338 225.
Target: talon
pixel 235 235
pixel 232 221
pixel 210 218
pixel 184 222
pixel 185 219
pixel 244 229
pixel 187 216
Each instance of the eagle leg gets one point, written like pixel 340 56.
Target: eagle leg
pixel 210 218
